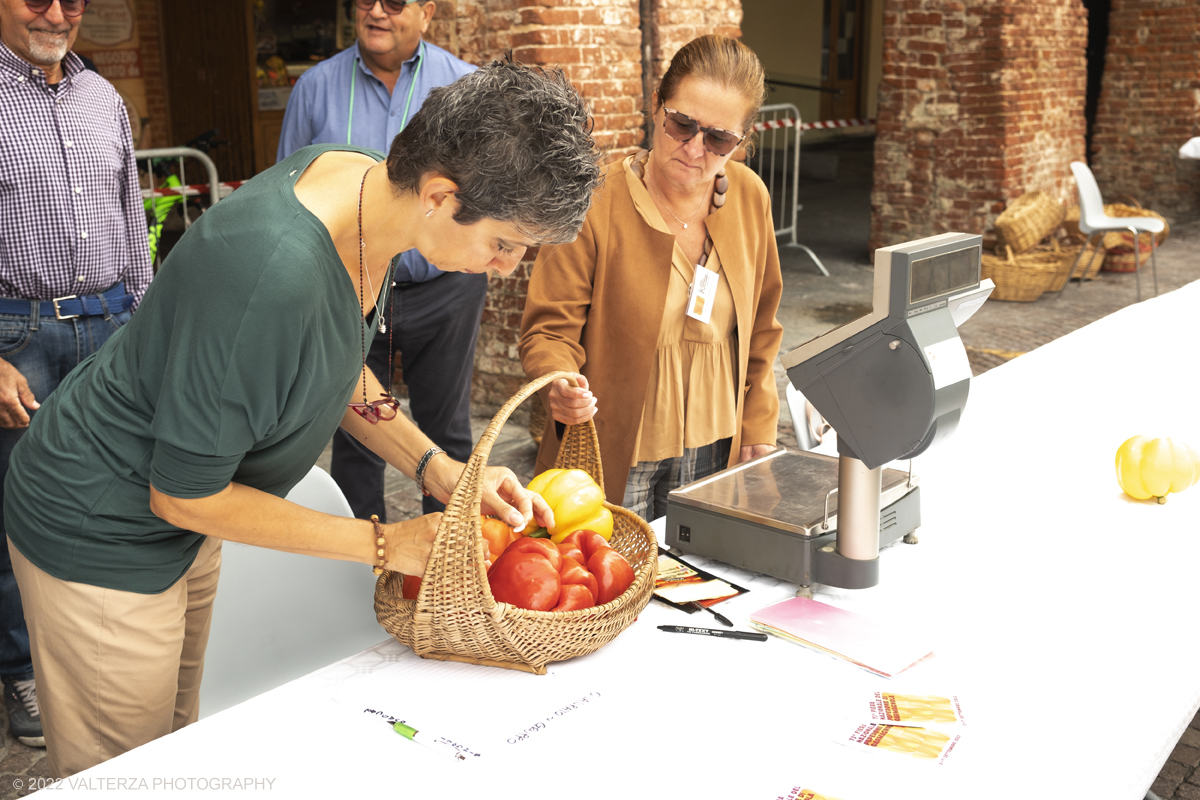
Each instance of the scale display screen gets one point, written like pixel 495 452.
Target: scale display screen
pixel 943 274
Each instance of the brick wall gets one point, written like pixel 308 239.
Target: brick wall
pixel 156 97
pixel 1150 105
pixel 980 102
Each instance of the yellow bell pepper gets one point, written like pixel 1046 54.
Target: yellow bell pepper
pixel 1156 467
pixel 576 500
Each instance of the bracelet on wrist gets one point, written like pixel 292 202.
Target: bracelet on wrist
pixel 422 464
pixel 380 545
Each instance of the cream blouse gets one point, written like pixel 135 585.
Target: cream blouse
pixel 691 397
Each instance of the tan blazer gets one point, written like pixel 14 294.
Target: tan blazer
pixel 595 306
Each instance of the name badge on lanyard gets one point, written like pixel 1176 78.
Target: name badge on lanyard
pixel 702 294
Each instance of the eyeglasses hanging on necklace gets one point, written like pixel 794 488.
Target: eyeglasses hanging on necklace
pixel 388 407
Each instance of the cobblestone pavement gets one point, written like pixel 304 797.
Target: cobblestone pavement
pixel 812 304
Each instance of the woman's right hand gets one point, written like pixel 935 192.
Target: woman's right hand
pixel 569 404
pixel 410 542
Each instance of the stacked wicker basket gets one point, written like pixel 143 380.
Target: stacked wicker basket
pixel 1037 244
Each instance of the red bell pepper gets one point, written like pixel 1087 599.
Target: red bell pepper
pixel 526 575
pixel 574 597
pixel 573 572
pixel 612 572
pixel 572 550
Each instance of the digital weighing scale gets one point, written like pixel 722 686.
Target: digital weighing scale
pixel 891 384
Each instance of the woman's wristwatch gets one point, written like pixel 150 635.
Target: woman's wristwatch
pixel 422 464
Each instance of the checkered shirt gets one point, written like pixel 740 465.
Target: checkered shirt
pixel 72 220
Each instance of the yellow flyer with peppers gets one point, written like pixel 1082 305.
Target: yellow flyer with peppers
pixel 917 710
pixel 926 745
pixel 798 793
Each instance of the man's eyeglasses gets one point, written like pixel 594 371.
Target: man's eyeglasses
pixel 389 6
pixel 376 410
pixel 70 8
pixel 683 128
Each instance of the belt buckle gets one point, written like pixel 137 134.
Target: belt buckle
pixel 58 312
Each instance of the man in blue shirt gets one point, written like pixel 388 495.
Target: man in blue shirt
pixel 365 95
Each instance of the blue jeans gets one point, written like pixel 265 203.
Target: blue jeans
pixel 44 350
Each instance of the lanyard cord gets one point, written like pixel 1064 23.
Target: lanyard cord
pixel 407 102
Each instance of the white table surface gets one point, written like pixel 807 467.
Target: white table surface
pixel 1061 612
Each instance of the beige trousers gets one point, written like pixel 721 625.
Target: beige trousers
pixel 115 669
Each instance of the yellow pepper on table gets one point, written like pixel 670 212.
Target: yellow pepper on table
pixel 576 500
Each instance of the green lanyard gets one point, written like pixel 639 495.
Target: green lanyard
pixel 407 103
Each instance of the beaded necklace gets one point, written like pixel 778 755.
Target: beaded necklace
pixel 373 410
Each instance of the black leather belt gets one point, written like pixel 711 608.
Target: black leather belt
pixel 73 306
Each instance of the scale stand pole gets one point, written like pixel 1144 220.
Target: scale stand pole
pixel 859 489
pixel 852 561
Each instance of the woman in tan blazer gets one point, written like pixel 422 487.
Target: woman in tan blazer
pixel 665 304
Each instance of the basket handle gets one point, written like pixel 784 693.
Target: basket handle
pixel 452 560
pixel 1011 258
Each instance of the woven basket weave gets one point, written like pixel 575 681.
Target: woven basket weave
pixel 1087 268
pixel 1020 279
pixel 455 617
pixel 1030 218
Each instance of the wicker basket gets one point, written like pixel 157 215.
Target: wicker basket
pixel 1021 279
pixel 1087 268
pixel 1121 259
pixel 1030 218
pixel 455 617
pixel 537 421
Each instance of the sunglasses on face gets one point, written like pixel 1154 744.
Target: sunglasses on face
pixel 389 6
pixel 376 410
pixel 683 128
pixel 70 8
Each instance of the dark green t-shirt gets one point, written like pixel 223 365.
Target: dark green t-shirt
pixel 236 367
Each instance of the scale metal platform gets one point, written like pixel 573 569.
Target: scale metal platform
pixel 778 515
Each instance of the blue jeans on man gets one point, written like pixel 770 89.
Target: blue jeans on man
pixel 44 350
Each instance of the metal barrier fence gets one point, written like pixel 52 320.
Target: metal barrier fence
pixel 777 162
pixel 162 196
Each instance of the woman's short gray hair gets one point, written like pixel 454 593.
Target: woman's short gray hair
pixel 517 141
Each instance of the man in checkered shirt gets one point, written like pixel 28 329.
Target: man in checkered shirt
pixel 74 257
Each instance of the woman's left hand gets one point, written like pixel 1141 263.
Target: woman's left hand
pixel 503 494
pixel 750 451
pixel 506 498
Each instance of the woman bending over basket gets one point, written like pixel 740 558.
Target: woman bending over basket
pixel 195 420
pixel 683 383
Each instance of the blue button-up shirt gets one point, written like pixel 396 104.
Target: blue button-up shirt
pixel 71 215
pixel 319 111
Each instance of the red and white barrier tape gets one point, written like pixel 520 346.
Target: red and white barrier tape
pixel 192 190
pixel 789 122
pixel 225 187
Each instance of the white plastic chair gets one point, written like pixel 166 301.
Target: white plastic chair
pixel 804 419
pixel 280 615
pixel 1093 220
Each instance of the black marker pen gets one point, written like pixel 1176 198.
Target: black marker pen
pixel 720 634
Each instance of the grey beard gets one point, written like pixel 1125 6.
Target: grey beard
pixel 47 48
